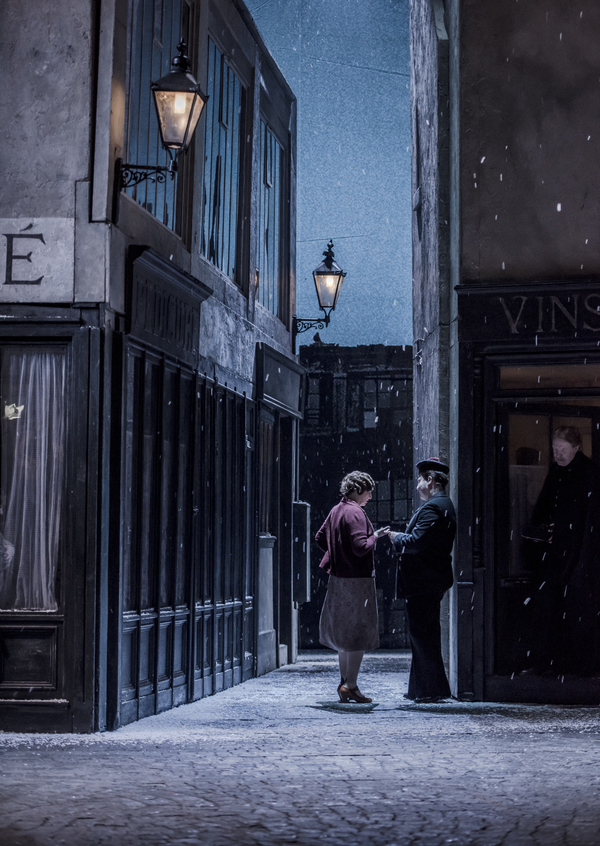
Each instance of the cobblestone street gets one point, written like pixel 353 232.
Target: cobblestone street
pixel 271 762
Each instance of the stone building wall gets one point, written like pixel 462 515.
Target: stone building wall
pixel 431 299
pixel 529 140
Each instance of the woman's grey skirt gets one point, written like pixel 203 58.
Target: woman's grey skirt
pixel 349 621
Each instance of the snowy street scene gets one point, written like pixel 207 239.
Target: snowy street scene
pixel 300 423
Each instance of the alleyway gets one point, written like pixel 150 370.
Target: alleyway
pixel 268 763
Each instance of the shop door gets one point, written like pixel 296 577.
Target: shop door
pixel 524 459
pixel 45 636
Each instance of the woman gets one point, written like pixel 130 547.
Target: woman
pixel 349 621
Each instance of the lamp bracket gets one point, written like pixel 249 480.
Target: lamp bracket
pixel 303 324
pixel 134 174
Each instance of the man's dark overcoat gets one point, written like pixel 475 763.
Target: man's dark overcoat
pixel 566 597
pixel 425 574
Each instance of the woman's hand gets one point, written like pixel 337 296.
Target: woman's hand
pixel 379 533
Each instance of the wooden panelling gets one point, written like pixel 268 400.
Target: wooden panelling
pixel 28 657
pixel 186 549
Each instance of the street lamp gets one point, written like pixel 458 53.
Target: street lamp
pixel 328 278
pixel 179 101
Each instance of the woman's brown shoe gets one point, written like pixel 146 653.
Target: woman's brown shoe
pixel 353 694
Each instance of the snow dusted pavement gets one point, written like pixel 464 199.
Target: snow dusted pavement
pixel 268 763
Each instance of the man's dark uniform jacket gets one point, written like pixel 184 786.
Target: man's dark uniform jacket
pixel 425 575
pixel 426 548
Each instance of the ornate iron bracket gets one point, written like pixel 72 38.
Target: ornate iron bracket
pixel 129 174
pixel 302 324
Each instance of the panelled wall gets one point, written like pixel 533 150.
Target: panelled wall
pixel 187 616
pixel 186 514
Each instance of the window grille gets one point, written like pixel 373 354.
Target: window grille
pixel 157 27
pixel 370 401
pixel 391 502
pixel 270 254
pixel 222 164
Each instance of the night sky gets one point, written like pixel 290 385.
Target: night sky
pixel 348 63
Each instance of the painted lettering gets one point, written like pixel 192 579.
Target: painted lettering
pixel 540 328
pixel 11 257
pixel 513 322
pixel 556 304
pixel 593 309
pixel 165 316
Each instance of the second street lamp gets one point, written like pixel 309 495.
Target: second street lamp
pixel 328 277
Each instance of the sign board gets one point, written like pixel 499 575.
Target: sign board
pixel 164 306
pixel 537 312
pixel 37 259
pixel 280 381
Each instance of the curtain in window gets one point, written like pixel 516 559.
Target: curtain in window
pixel 32 475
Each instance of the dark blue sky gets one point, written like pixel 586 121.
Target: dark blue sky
pixel 348 63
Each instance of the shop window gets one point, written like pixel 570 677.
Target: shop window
pixel 270 263
pixel 32 463
pixel 222 164
pixel 547 506
pixel 157 26
pixel 530 457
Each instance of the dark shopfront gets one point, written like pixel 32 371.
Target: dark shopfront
pixel 130 577
pixel 529 362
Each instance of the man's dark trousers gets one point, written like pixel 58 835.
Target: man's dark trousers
pixel 427 674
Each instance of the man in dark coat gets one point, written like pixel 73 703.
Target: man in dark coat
pixel 425 575
pixel 565 604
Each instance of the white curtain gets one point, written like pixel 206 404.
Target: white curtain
pixel 33 458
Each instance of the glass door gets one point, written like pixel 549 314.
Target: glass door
pixel 547 508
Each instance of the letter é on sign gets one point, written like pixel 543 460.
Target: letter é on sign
pixel 513 322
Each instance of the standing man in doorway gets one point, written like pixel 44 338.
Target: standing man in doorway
pixel 425 575
pixel 566 604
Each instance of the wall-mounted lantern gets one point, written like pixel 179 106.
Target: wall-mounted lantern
pixel 179 102
pixel 328 278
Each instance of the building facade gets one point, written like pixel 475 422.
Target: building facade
pixel 506 178
pixel 151 395
pixel 358 416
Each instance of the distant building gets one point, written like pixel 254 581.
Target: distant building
pixel 149 388
pixel 358 416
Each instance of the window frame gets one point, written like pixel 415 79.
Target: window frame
pixel 275 103
pixel 227 48
pixel 182 200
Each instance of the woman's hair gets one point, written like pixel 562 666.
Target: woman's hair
pixel 356 481
pixel 570 434
pixel 439 479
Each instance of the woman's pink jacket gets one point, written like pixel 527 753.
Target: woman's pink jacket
pixel 347 538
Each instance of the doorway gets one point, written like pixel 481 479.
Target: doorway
pixel 544 399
